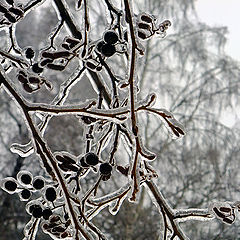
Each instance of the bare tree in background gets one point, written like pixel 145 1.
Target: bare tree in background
pixel 91 95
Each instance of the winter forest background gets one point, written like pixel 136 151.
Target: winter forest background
pixel 195 177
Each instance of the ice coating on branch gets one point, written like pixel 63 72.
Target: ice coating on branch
pixel 23 150
pixel 114 200
pixel 173 126
pixel 224 211
pixel 110 196
pixel 31 229
pixel 183 215
pixel 149 101
pixel 115 206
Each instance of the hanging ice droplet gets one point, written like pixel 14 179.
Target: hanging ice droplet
pixel 23 150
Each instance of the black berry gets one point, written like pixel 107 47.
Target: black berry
pixel 29 53
pixel 105 169
pixel 26 178
pixel 32 207
pixel 91 159
pixel 38 183
pixel 108 49
pixel 10 185
pixel 99 46
pixel 25 194
pixel 110 37
pixel 37 212
pixel 50 194
pixel 36 68
pixel 46 213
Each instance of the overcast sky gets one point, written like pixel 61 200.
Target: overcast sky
pixel 227 13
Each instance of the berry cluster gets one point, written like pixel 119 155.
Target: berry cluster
pixel 55 60
pixel 32 83
pixel 66 162
pixel 11 14
pixel 55 227
pixel 24 185
pixel 37 211
pixel 70 43
pixel 147 26
pixel 90 159
pixel 107 46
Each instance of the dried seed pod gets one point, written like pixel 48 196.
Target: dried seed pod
pixel 146 18
pixel 34 80
pixel 71 167
pixel 56 67
pixel 58 229
pixel 228 220
pixel 218 213
pixel 63 167
pixel 10 2
pixel 90 65
pixel 16 11
pixel 44 62
pixel 142 35
pixel 60 158
pixel 3 9
pixel 72 41
pixel 225 209
pixel 61 54
pixel 125 35
pixel 79 3
pixel 48 85
pixel 65 46
pixel 55 219
pixel 99 68
pixel 64 235
pixel 10 17
pixel 144 26
pixel 22 73
pixel 68 159
pixel 88 120
pixel 22 78
pixel 47 54
pixel 123 170
pixel 27 88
